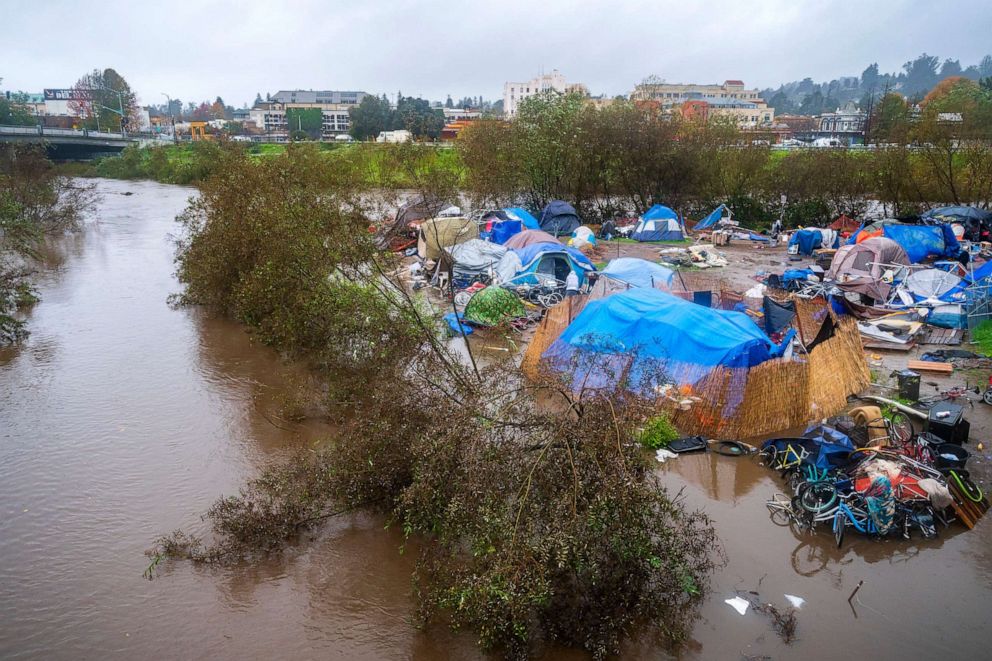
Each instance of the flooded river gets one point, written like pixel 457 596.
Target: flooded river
pixel 122 419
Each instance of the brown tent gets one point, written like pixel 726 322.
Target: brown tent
pixel 859 268
pixel 437 234
pixel 529 237
pixel 845 224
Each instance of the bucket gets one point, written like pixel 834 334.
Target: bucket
pixel 951 456
pixel 909 385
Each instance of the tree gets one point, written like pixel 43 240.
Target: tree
pixel 869 77
pixel 14 111
pixel 370 117
pixel 985 67
pixel 201 113
pixel 416 116
pixel 217 109
pixel 305 123
pixel 104 100
pixel 950 68
pixel 449 103
pixel 890 119
pixel 258 100
pixel 921 74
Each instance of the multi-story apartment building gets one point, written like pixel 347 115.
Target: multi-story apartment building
pixel 731 99
pixel 514 93
pixel 270 117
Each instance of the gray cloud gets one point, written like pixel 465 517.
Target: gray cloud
pixel 198 49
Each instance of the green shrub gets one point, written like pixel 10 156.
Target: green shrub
pixel 658 433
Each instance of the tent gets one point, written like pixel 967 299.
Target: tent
pixel 845 223
pixel 439 233
pixel 582 235
pixel 713 218
pixel 476 257
pixel 638 272
pixel 541 261
pixel 809 239
pixel 529 237
pixel 647 333
pixel 524 216
pixel 559 218
pixel 659 223
pixel 418 208
pixel 859 267
pixel 918 241
pixel 977 223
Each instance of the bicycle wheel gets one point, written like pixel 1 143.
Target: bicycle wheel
pixel 817 497
pixel 971 490
pixel 901 427
pixel 840 522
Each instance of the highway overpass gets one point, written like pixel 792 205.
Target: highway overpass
pixel 71 144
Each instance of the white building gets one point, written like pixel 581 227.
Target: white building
pixel 514 93
pixel 675 94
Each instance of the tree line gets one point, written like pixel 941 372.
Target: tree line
pixel 625 157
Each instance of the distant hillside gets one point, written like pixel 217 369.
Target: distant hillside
pixel 919 76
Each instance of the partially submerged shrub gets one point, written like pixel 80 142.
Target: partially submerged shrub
pixel 658 433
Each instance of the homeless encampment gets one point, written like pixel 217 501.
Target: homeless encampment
pixel 439 233
pixel 559 218
pixel 918 241
pixel 476 259
pixel 659 223
pixel 543 261
pixel 977 223
pixel 528 238
pixel 859 268
pixel 638 272
pixel 845 224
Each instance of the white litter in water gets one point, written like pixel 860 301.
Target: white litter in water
pixel 662 455
pixel 797 602
pixel 738 604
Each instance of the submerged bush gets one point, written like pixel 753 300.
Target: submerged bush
pixel 658 433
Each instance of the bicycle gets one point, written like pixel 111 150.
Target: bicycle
pixel 856 517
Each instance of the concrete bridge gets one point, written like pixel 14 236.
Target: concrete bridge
pixel 72 144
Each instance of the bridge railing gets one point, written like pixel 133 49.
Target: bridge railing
pixel 54 132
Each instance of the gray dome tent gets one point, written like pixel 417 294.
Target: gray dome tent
pixel 559 218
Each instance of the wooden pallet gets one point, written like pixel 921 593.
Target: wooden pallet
pixel 934 335
pixel 968 511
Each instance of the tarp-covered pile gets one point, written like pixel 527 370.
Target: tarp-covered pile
pixel 918 241
pixel 475 258
pixel 805 241
pixel 638 272
pixel 439 233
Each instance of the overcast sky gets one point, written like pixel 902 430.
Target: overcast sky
pixel 196 50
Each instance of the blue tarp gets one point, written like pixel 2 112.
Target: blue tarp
pixel 958 213
pixel 639 272
pixel 919 241
pixel 524 216
pixel 665 335
pixel 810 239
pixel 559 218
pixel 826 447
pixel 504 230
pixel 711 219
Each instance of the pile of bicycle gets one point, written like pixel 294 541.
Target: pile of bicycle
pixel 898 482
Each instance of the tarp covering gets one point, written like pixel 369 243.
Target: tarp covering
pixel 500 232
pixel 654 329
pixel 638 272
pixel 524 216
pixel 957 214
pixel 477 257
pixel 918 241
pixel 529 237
pixel 845 223
pixel 659 223
pixel 825 446
pixel 715 216
pixel 559 218
pixel 859 268
pixel 810 239
pixel 439 233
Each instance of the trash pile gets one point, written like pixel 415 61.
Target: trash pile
pixel 702 255
pixel 874 474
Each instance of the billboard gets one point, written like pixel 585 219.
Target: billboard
pixel 70 94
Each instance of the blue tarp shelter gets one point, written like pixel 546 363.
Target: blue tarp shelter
pixel 659 223
pixel 715 216
pixel 501 231
pixel 638 272
pixel 550 259
pixel 653 338
pixel 918 241
pixel 957 214
pixel 559 218
pixel 810 239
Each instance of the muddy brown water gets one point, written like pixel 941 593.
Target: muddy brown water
pixel 121 419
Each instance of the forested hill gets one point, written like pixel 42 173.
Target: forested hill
pixel 917 77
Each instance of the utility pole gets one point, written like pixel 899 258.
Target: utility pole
pixel 175 138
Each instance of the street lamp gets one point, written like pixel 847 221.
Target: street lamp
pixel 175 138
pixel 120 103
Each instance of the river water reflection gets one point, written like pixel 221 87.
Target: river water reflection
pixel 121 419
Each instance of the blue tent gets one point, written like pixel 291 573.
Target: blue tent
pixel 659 223
pixel 638 272
pixel 503 230
pixel 644 333
pixel 524 216
pixel 559 218
pixel 919 241
pixel 550 259
pixel 715 216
